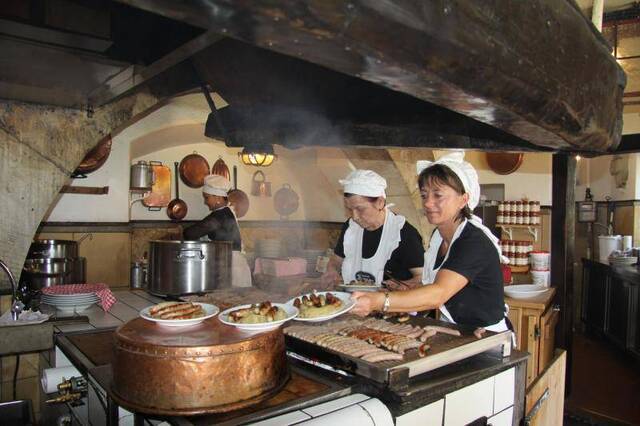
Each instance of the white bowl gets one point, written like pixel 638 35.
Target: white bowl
pixel 347 305
pixel 524 291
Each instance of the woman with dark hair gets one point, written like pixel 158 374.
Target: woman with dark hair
pixel 375 241
pixel 462 275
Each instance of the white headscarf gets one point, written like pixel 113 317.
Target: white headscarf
pixel 216 185
pixel 366 183
pixel 469 178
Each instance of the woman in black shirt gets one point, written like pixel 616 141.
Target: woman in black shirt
pixel 462 275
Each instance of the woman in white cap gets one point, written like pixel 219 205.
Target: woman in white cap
pixel 375 244
pixel 221 225
pixel 462 275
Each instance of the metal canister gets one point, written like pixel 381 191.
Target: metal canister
pixel 137 277
pixel 141 177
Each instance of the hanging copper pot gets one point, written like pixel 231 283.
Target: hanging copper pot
pixel 193 168
pixel 177 208
pixel 220 168
pixel 238 199
pixel 504 163
pixel 259 185
pixel 94 158
pixel 285 201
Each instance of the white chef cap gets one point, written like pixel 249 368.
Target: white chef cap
pixel 463 169
pixel 364 182
pixel 216 185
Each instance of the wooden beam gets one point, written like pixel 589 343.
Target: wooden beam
pixel 488 61
pixel 88 190
pixel 563 220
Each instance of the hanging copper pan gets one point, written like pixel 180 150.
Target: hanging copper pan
pixel 94 158
pixel 220 168
pixel 504 163
pixel 285 201
pixel 238 199
pixel 193 168
pixel 177 208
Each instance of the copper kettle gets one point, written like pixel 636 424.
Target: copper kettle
pixel 259 186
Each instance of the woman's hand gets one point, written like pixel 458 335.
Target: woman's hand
pixel 330 279
pixel 367 302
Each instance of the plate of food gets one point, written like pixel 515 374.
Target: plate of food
pixel 322 305
pixel 179 314
pixel 258 316
pixel 360 285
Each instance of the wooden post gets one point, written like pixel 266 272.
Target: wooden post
pixel 562 248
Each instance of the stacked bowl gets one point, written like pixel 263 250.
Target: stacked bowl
pixel 268 247
pixel 70 303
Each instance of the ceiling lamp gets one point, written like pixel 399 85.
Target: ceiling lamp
pixel 261 155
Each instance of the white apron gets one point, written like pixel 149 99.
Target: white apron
pixel 240 271
pixel 389 241
pixel 430 271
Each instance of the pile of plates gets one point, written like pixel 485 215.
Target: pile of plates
pixel 72 303
pixel 268 248
pixel 622 260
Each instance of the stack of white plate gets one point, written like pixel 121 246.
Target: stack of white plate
pixel 622 260
pixel 268 248
pixel 74 303
pixel 311 256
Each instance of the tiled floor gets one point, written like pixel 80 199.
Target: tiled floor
pixel 605 385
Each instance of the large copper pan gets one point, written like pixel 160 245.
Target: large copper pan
pixel 206 368
pixel 95 158
pixel 193 168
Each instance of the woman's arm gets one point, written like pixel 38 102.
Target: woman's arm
pixel 413 282
pixel 208 225
pixel 332 275
pixel 445 286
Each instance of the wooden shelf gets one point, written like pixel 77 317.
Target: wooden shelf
pixel 508 229
pixel 519 269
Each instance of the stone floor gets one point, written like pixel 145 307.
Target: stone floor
pixel 605 385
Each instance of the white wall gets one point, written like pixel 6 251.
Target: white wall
pixel 532 180
pixel 603 185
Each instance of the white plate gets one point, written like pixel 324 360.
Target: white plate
pixel 350 288
pixel 209 311
pixel 524 291
pixel 74 308
pixel 347 305
pixel 57 296
pixel 290 310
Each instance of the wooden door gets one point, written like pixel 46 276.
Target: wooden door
pixel 515 316
pixel 544 402
pixel 531 338
pixel 548 324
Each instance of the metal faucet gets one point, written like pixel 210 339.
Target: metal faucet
pixel 16 306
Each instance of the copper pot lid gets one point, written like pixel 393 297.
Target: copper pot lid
pixel 285 200
pixel 193 168
pixel 210 335
pixel 504 163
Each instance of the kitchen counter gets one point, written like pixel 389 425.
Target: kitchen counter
pixel 611 303
pixel 88 346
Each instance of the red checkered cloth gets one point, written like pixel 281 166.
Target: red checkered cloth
pixel 107 299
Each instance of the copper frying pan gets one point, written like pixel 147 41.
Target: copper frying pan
pixel 94 158
pixel 193 168
pixel 238 199
pixel 177 208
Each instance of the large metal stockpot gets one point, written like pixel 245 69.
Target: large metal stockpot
pixel 185 267
pixel 53 249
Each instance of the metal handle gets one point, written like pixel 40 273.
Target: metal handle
pixel 182 254
pixel 43 252
pixel 536 407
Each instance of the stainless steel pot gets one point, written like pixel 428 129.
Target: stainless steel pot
pixel 53 249
pixel 78 271
pixel 142 177
pixel 138 275
pixel 184 267
pixel 48 267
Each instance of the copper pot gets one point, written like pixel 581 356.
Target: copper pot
pixel 193 168
pixel 94 158
pixel 285 201
pixel 177 208
pixel 220 168
pixel 206 368
pixel 238 199
pixel 504 163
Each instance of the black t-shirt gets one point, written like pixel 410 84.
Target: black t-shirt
pixel 408 255
pixel 481 302
pixel 220 225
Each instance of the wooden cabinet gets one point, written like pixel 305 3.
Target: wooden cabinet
pixel 534 321
pixel 611 303
pixel 544 403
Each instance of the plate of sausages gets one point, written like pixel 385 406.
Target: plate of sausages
pixel 179 314
pixel 258 316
